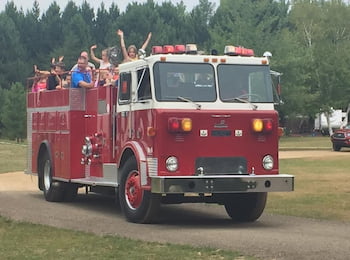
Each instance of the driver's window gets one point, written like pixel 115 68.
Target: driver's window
pixel 124 88
pixel 144 84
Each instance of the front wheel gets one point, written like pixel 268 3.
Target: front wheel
pixel 245 207
pixel 336 148
pixel 137 204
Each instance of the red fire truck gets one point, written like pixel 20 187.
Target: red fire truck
pixel 179 127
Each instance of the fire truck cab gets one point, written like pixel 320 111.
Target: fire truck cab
pixel 178 127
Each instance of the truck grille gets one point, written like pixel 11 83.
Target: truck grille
pixel 221 165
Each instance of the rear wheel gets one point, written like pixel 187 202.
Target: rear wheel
pixel 53 190
pixel 70 191
pixel 336 148
pixel 245 207
pixel 138 205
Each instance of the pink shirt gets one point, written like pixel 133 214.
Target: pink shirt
pixel 40 86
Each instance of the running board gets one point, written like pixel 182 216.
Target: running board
pixel 95 181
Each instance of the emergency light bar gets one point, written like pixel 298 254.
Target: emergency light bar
pixel 191 48
pixel 177 49
pixel 180 49
pixel 238 51
pixel 157 50
pixel 168 49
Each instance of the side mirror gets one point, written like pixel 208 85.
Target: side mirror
pixel 276 82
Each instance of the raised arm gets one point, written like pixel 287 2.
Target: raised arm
pixel 41 72
pixel 122 44
pixel 144 46
pixel 92 54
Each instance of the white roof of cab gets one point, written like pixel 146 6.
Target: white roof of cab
pixel 194 59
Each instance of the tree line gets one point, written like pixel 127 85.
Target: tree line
pixel 309 41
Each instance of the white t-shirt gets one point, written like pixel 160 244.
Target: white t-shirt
pixel 104 65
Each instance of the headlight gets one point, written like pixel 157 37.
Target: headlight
pixel 172 164
pixel 267 162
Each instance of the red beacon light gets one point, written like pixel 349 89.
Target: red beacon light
pixel 168 49
pixel 238 51
pixel 157 50
pixel 180 49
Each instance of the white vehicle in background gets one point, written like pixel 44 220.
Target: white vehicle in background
pixel 335 120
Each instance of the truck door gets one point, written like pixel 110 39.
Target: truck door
pixel 125 129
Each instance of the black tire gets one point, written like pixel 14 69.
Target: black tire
pixel 245 207
pixel 138 205
pixel 70 192
pixel 336 148
pixel 53 190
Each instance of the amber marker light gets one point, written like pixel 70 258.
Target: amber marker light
pixel 186 124
pixel 162 58
pixel 258 125
pixel 206 59
pixel 151 131
pixel 264 62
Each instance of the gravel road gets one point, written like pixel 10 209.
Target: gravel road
pixel 271 237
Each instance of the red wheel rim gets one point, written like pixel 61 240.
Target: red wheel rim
pixel 133 191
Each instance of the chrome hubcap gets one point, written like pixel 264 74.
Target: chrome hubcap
pixel 47 175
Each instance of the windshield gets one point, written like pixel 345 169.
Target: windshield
pixel 194 82
pixel 245 82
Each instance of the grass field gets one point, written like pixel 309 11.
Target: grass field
pixel 29 241
pixel 321 189
pixel 307 142
pixel 12 156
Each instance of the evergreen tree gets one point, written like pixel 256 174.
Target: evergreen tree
pixel 199 19
pixel 52 32
pixel 14 112
pixel 2 101
pixel 12 61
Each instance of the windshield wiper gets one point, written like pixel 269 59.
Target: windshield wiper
pixel 198 106
pixel 254 107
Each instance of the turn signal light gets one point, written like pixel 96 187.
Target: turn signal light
pixel 186 124
pixel 262 125
pixel 258 125
pixel 176 125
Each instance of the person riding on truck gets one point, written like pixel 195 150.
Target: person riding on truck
pixel 81 77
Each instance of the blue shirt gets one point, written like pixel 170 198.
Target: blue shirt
pixel 78 76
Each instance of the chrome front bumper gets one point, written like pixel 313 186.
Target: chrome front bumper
pixel 222 184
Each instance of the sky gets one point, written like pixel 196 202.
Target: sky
pixel 44 4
